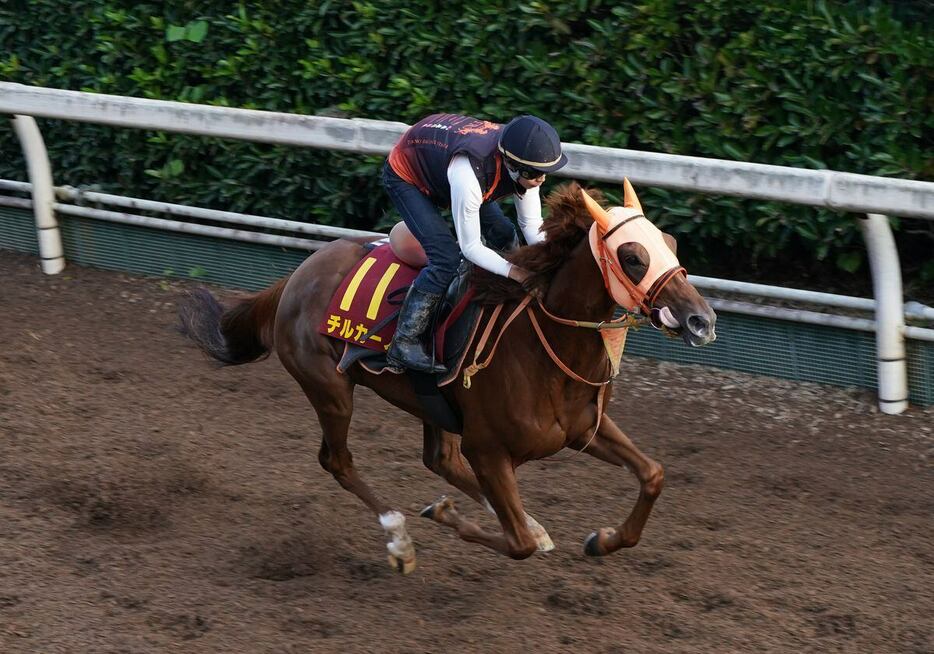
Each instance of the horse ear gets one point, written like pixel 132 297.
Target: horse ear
pixel 629 196
pixel 672 242
pixel 599 214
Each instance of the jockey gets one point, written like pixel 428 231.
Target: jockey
pixel 465 163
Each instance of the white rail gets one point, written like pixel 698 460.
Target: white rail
pixel 913 310
pixel 823 188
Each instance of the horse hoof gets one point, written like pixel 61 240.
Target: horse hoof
pixel 545 544
pixel 401 565
pixel 593 546
pixel 433 511
pixel 542 539
pixel 590 545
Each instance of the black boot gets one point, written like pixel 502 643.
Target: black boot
pixel 408 349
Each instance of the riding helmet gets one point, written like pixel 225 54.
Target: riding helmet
pixel 530 142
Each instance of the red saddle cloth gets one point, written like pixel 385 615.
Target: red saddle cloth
pixel 362 300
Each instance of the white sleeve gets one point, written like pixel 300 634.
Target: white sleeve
pixel 466 198
pixel 529 212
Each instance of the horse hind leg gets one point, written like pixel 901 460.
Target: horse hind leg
pixel 498 483
pixel 335 457
pixel 441 453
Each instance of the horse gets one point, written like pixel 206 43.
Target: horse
pixel 554 366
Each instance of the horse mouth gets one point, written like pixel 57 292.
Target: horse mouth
pixel 699 332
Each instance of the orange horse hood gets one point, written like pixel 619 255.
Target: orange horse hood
pixel 627 224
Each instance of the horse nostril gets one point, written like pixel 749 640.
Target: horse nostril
pixel 698 325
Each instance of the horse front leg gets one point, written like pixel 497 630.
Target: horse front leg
pixel 613 446
pixel 497 480
pixel 442 455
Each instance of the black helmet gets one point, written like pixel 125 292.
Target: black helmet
pixel 531 143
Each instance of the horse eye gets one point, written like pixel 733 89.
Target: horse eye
pixel 633 260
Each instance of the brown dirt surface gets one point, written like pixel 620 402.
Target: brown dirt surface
pixel 150 502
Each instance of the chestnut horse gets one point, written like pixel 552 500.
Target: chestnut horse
pixel 544 390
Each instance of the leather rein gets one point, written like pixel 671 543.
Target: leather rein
pixel 626 321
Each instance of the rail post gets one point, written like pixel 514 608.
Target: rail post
pixel 890 316
pixel 43 194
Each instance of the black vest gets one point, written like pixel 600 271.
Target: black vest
pixel 423 154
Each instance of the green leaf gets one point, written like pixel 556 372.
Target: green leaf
pixel 807 231
pixel 174 33
pixel 733 152
pixel 820 165
pixel 196 30
pixel 870 78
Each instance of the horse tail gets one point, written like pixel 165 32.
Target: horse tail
pixel 240 333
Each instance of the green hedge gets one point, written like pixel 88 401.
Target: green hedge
pixel 839 85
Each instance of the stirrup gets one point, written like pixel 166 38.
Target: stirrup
pixel 399 359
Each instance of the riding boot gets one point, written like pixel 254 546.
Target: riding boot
pixel 408 349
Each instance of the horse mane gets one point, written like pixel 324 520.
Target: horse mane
pixel 567 223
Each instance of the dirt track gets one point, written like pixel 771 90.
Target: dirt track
pixel 150 502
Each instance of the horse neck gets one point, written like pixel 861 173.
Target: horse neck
pixel 577 290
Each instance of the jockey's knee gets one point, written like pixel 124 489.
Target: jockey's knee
pixel 446 262
pixel 440 271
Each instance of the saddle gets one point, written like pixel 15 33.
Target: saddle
pixel 363 313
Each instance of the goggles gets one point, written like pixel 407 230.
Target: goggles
pixel 523 171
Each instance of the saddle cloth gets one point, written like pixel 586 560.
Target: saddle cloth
pixel 371 292
pixel 363 309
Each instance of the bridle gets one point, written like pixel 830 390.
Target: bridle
pixel 610 267
pixel 603 229
pixel 609 232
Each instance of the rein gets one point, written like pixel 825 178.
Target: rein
pixel 629 319
pixel 624 322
